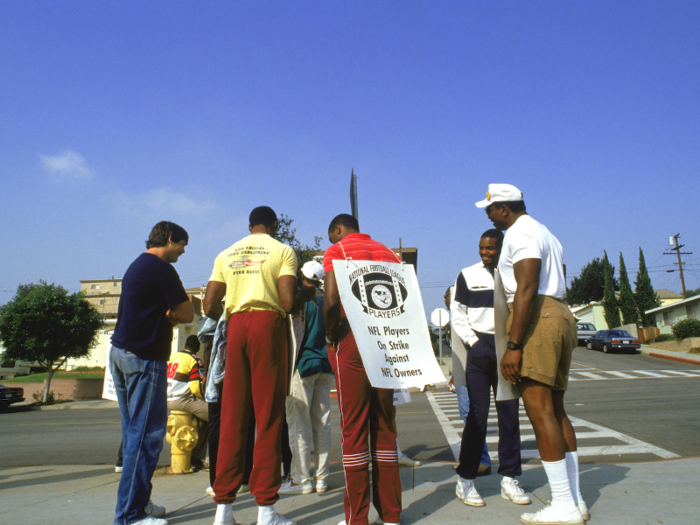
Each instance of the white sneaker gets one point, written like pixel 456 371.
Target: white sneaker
pixel 405 461
pixel 321 485
pixel 224 514
pixel 584 510
pixel 118 469
pixel 243 489
pixel 210 491
pixel 466 491
pixel 510 489
pixel 150 521
pixel 553 516
pixel 296 488
pixel 155 511
pixel 275 519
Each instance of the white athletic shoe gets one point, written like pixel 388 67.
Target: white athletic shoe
pixel 275 519
pixel 224 514
pixel 151 521
pixel 553 516
pixel 296 488
pixel 511 490
pixel 118 469
pixel 321 485
pixel 155 511
pixel 210 491
pixel 466 491
pixel 405 461
pixel 244 488
pixel 584 510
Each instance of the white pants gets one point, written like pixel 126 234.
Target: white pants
pixel 309 421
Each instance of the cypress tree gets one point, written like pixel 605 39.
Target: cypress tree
pixel 628 307
pixel 612 310
pixel 644 294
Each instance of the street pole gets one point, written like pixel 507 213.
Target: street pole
pixel 677 249
pixel 440 332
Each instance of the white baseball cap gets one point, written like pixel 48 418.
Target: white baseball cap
pixel 313 271
pixel 500 193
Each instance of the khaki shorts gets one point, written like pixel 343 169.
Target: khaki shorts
pixel 549 340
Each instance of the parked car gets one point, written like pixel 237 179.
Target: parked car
pixel 585 331
pixel 609 340
pixel 9 395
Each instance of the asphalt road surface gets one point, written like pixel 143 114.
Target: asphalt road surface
pixel 625 407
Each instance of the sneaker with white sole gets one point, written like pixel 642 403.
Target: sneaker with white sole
pixel 553 516
pixel 405 461
pixel 584 510
pixel 321 486
pixel 210 491
pixel 155 511
pixel 466 491
pixel 224 514
pixel 511 490
pixel 150 521
pixel 244 488
pixel 118 469
pixel 296 488
pixel 275 519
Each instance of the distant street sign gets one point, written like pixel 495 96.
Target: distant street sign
pixel 440 317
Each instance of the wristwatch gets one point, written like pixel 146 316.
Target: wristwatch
pixel 514 346
pixel 330 342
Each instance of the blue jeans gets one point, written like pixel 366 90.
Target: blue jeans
pixel 141 386
pixel 463 402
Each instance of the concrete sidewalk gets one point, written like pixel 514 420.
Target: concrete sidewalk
pixel 629 493
pixel 684 357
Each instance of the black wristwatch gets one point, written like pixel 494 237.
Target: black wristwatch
pixel 514 346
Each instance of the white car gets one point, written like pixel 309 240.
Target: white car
pixel 585 331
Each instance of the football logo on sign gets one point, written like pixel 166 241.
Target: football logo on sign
pixel 381 291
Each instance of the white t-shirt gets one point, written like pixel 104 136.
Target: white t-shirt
pixel 528 239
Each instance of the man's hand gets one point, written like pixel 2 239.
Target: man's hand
pixel 172 317
pixel 510 366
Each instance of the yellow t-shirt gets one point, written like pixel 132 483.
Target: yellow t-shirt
pixel 251 269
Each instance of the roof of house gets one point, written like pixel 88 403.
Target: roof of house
pixel 663 293
pixel 693 299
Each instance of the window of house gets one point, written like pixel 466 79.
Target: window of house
pixel 691 310
pixel 94 287
pixel 115 284
pixel 665 318
pixel 102 302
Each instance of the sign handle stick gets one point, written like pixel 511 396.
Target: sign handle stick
pixel 440 331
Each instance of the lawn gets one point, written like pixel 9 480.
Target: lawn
pixel 39 378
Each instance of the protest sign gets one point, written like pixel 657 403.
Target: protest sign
pixel 108 390
pixel 383 304
pixel 501 313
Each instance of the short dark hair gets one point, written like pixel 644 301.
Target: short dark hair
pixel 262 215
pixel 515 206
pixel 344 219
pixel 192 343
pixel 163 231
pixel 493 233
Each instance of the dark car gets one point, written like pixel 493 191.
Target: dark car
pixel 609 340
pixel 585 330
pixel 9 395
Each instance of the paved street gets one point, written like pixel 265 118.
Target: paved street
pixel 625 407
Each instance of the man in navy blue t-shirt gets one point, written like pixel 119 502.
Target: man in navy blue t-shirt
pixel 153 300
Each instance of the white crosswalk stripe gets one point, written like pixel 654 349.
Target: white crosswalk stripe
pixel 452 426
pixel 605 375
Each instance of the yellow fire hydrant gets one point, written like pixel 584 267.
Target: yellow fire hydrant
pixel 183 437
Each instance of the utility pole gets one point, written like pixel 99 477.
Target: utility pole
pixel 677 249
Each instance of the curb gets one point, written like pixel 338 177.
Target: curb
pixel 674 358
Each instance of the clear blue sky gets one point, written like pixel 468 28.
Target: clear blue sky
pixel 115 115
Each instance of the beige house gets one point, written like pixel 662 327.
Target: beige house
pixel 104 295
pixel 669 314
pixel 668 297
pixel 591 313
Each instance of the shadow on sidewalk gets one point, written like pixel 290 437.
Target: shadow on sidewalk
pixel 54 478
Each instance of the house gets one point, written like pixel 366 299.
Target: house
pixel 591 313
pixel 668 297
pixel 104 295
pixel 669 314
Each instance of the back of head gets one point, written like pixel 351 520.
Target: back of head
pixel 262 215
pixel 346 220
pixel 192 344
pixel 163 231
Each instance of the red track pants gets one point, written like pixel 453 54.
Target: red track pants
pixel 256 379
pixel 366 416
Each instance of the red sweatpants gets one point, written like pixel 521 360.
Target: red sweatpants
pixel 256 379
pixel 366 415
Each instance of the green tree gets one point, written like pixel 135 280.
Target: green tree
pixel 644 294
pixel 288 235
pixel 692 293
pixel 589 286
pixel 46 324
pixel 612 310
pixel 628 308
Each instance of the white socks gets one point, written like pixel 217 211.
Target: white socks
pixel 265 513
pixel 559 485
pixel 571 459
pixel 398 448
